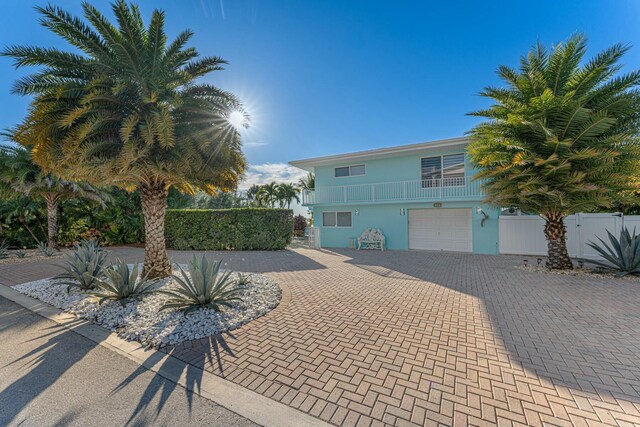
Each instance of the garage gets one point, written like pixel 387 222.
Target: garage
pixel 440 229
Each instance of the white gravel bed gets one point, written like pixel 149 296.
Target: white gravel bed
pixel 143 320
pixel 584 271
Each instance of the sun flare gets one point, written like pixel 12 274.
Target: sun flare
pixel 236 119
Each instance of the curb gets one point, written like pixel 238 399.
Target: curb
pixel 246 403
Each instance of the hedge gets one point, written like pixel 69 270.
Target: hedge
pixel 228 229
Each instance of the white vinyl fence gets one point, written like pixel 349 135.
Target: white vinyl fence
pixel 524 234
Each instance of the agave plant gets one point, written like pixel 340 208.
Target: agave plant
pixel 45 249
pixel 119 283
pixel 21 253
pixel 84 266
pixel 203 287
pixel 623 254
pixel 4 249
pixel 243 279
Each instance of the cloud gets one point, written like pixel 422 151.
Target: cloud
pixel 268 172
pixel 254 144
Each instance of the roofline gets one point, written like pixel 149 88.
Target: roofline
pixel 309 164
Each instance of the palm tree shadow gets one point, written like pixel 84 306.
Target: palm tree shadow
pixel 46 364
pixel 578 335
pixel 197 354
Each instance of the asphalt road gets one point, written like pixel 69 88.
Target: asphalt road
pixel 50 376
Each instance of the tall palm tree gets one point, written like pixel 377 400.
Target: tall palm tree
pixel 287 193
pixel 252 192
pixel 561 138
pixel 307 182
pixel 268 195
pixel 125 108
pixel 18 171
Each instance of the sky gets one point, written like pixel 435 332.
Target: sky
pixel 328 77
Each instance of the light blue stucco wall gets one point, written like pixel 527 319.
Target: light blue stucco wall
pixel 396 227
pixel 387 216
pixel 389 169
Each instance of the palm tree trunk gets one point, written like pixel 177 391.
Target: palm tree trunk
pixel 53 203
pixel 555 232
pixel 154 205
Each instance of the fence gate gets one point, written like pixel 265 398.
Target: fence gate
pixel 524 234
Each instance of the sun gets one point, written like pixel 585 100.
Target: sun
pixel 236 119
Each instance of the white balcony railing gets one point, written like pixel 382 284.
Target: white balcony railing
pixel 418 190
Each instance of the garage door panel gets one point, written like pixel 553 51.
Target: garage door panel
pixel 440 229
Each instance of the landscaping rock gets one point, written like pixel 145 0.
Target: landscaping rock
pixel 144 321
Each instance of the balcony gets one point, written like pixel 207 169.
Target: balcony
pixel 401 191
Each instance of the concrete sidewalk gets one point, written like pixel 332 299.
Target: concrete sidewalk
pixel 52 376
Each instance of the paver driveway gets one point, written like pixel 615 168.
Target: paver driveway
pixel 364 338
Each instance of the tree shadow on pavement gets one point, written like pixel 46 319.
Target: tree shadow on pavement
pixel 46 363
pixel 578 332
pixel 196 354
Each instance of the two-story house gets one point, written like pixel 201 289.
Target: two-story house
pixel 422 196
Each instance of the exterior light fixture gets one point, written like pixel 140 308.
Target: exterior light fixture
pixel 479 211
pixel 403 211
pixel 357 212
pixel 580 264
pixel 526 262
pixel 539 261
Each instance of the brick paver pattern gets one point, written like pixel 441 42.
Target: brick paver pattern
pixel 428 338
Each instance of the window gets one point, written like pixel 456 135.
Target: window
pixel 446 171
pixel 354 170
pixel 344 219
pixel 329 219
pixel 336 219
pixel 340 172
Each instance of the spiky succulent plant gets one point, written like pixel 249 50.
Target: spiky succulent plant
pixel 4 249
pixel 203 287
pixel 243 279
pixel 119 283
pixel 45 249
pixel 623 255
pixel 84 266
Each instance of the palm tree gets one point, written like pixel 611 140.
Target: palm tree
pixel 18 171
pixel 252 192
pixel 286 194
pixel 127 110
pixel 561 138
pixel 268 195
pixel 17 210
pixel 307 182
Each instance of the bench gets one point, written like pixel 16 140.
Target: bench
pixel 372 238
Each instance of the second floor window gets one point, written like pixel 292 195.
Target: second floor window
pixel 443 171
pixel 354 170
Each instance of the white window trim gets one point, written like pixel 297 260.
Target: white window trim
pixel 350 166
pixel 336 215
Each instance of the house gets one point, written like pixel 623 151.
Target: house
pixel 422 196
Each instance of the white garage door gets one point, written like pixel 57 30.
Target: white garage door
pixel 440 229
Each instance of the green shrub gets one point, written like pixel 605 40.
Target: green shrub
pixel 229 229
pixel 203 287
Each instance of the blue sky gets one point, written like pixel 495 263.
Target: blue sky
pixel 325 77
